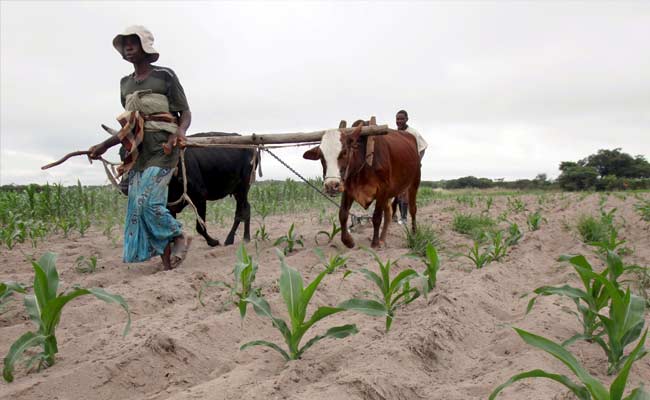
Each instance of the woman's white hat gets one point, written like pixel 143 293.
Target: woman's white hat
pixel 146 40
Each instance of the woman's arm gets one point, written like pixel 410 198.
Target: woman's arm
pixel 97 150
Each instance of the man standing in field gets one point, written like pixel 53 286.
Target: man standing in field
pixel 401 120
pixel 155 120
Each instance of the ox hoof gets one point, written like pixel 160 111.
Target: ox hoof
pixel 229 241
pixel 348 242
pixel 212 242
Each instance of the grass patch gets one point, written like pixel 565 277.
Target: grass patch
pixel 593 229
pixel 423 236
pixel 474 225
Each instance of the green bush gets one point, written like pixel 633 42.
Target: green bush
pixel 577 177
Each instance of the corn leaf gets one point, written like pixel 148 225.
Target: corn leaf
pixel 211 284
pixel 6 288
pixel 309 292
pixel 638 394
pixel 267 344
pixel 337 332
pixel 27 340
pixel 52 312
pixel 368 307
pixel 370 275
pixel 580 391
pixel 401 279
pixel 319 314
pixel 262 308
pixel 291 288
pixel 33 309
pixel 618 386
pixel 596 389
pixel 565 290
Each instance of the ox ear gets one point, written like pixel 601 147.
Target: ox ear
pixel 312 154
pixel 343 124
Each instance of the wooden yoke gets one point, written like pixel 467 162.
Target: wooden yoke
pixel 370 144
pixel 280 138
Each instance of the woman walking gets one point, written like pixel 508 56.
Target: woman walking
pixel 154 123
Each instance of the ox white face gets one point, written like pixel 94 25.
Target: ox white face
pixel 330 147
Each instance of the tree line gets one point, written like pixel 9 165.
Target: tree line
pixel 604 171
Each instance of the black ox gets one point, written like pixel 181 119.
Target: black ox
pixel 212 174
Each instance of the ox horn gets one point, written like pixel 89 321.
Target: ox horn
pixel 110 130
pixel 343 124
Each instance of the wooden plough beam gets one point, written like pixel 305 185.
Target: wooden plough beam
pixel 250 140
pixel 271 138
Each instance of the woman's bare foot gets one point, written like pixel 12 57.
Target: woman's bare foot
pixel 166 257
pixel 179 252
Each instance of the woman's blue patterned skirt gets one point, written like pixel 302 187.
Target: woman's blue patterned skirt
pixel 149 226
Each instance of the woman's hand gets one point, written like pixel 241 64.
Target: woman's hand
pixel 175 139
pixel 97 150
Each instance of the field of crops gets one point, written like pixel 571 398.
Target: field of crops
pixel 430 316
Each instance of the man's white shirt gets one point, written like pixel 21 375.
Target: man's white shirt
pixel 422 144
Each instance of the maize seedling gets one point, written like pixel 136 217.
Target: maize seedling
pixel 589 387
pixel 244 273
pixel 297 298
pixel 329 235
pixel 393 293
pixel 291 241
pixel 44 308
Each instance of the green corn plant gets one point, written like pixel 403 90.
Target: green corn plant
pixel 488 204
pixel 588 388
pixel 498 247
pixel 290 240
pixel 393 293
pixel 296 297
pixel 86 265
pixel 514 235
pixel 7 289
pixel 516 205
pixel 610 244
pixel 335 261
pixel 480 259
pixel 44 308
pixel 534 220
pixel 643 208
pixel 244 272
pixel 432 264
pixel 589 300
pixel 83 223
pixel 261 233
pixel 623 325
pixel 329 235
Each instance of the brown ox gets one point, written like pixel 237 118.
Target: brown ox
pixel 346 168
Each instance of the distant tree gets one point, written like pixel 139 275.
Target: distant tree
pixel 641 167
pixel 616 163
pixel 541 178
pixel 577 177
pixel 564 165
pixel 469 182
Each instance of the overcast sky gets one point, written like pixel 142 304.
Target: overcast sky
pixel 498 89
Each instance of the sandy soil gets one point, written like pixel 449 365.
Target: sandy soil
pixel 456 345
